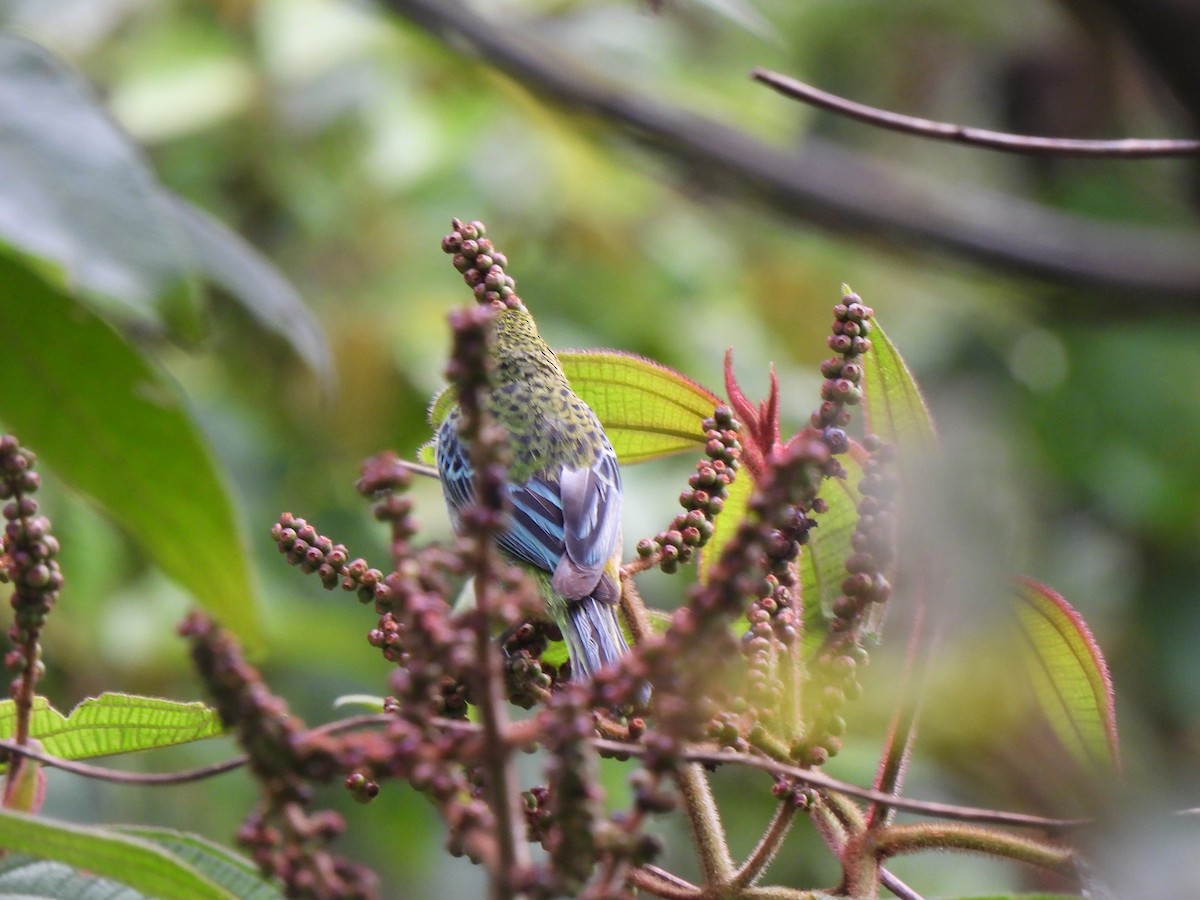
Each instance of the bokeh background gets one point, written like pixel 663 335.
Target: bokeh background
pixel 339 138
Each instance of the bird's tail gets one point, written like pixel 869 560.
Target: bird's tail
pixel 594 639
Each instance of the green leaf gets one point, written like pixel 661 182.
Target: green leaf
pixel 229 262
pixel 823 558
pixel 27 878
pixel 224 868
pixel 893 406
pixel 114 723
pixel 369 702
pixel 148 869
pixel 439 407
pixel 74 189
pixel 647 409
pixel 1070 677
pixel 441 404
pixel 115 429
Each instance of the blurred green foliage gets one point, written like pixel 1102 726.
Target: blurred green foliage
pixel 339 141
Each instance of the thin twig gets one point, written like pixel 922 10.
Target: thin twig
pixel 839 189
pixel 825 782
pixel 661 883
pixel 696 755
pixel 418 468
pixel 1127 148
pixel 130 778
pixel 669 877
pixel 183 776
pixel 897 887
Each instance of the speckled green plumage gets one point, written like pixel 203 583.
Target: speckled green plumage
pixel 563 484
pixel 549 425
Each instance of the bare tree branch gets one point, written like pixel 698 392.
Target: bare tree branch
pixel 840 190
pixel 1128 148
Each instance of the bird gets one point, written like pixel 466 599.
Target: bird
pixel 563 486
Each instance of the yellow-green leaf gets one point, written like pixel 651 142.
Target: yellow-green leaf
pixel 823 558
pixel 113 723
pixel 647 409
pixel 439 406
pixel 234 873
pixel 1069 674
pixel 893 406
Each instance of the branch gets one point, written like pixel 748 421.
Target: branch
pixel 131 778
pixel 1128 148
pixel 150 779
pixel 824 782
pixel 840 190
pixel 897 887
pixel 897 839
pixel 417 468
pixel 660 883
pixel 705 820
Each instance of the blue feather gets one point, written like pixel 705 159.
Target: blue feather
pixel 567 523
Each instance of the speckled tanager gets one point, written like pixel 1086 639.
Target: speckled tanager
pixel 564 488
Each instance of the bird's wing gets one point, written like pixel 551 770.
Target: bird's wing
pixel 535 532
pixel 569 526
pixel 454 468
pixel 591 503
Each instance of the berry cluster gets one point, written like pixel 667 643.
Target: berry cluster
pixel 481 264
pixel 685 662
pixel 28 559
pixel 285 839
pixel 834 676
pixel 704 498
pixel 385 479
pixel 314 553
pixel 843 373
pixel 530 679
pixel 866 585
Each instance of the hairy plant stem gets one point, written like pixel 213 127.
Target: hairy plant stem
pixel 506 800
pixel 708 833
pixel 633 606
pixel 864 852
pixel 768 845
pixel 829 824
pixel 897 839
